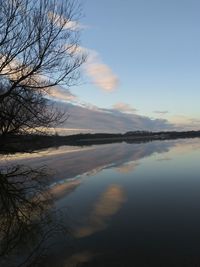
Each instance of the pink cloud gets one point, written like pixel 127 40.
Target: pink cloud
pixel 123 107
pixel 98 72
pixel 61 93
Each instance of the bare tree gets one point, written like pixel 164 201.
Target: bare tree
pixel 27 111
pixel 39 41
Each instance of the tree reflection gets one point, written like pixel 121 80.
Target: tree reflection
pixel 27 216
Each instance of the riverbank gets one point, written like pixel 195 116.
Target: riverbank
pixel 30 143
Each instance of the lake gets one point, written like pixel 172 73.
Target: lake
pixel 124 204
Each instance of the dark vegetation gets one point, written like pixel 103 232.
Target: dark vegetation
pixel 31 143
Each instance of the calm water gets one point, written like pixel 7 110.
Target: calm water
pixel 125 204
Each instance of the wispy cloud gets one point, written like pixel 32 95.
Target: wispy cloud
pixel 102 76
pixel 98 72
pixel 182 122
pixel 123 107
pixel 66 23
pixel 62 94
pixel 161 112
pixel 75 25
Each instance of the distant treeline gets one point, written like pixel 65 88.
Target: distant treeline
pixel 32 142
pixel 131 134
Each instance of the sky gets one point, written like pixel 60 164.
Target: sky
pixel 143 58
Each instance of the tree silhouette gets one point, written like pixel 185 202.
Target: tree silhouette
pixel 39 45
pixel 27 216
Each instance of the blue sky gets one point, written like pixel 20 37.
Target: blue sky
pixel 152 50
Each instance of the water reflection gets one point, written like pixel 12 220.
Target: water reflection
pixel 77 259
pixel 128 167
pixel 164 159
pixel 59 190
pixel 106 206
pixel 69 163
pixel 130 204
pixel 27 218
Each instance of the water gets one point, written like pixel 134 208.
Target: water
pixel 125 204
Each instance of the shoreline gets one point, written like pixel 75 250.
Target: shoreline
pixel 31 143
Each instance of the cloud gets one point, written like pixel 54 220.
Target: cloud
pixel 98 72
pixel 15 69
pixel 109 120
pixel 62 94
pixel 161 112
pixel 74 25
pixel 186 123
pixel 123 107
pixel 66 23
pixel 85 117
pixel 102 76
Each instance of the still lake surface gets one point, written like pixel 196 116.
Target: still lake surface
pixel 125 204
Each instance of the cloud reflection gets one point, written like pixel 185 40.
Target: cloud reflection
pixel 62 189
pixel 107 205
pixel 79 258
pixel 128 168
pixel 70 162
